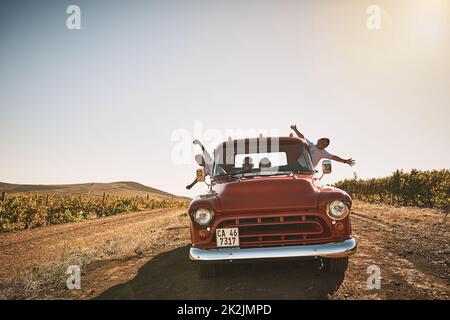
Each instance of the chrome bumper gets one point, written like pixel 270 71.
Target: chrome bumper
pixel 328 250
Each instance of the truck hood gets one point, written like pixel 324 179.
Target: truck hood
pixel 267 194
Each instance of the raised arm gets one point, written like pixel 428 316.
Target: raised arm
pixel 189 186
pixel 298 133
pixel 350 161
pixel 197 142
pixel 207 159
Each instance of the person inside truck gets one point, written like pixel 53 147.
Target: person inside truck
pixel 264 163
pixel 318 151
pixel 201 162
pixel 247 164
pixel 205 159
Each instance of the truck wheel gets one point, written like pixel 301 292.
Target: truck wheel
pixel 335 265
pixel 208 270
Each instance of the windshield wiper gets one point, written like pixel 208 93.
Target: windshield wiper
pixel 260 173
pixel 275 173
pixel 306 171
pixel 239 171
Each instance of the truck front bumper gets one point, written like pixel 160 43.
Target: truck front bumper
pixel 328 250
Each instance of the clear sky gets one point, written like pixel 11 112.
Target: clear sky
pixel 102 103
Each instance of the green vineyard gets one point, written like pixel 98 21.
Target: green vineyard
pixel 19 212
pixel 416 188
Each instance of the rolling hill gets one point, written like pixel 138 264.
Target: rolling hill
pixel 128 188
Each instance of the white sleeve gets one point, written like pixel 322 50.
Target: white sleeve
pixel 208 168
pixel 207 156
pixel 327 155
pixel 208 162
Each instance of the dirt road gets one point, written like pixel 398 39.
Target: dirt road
pixel 144 256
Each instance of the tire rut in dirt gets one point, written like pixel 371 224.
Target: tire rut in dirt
pixel 409 267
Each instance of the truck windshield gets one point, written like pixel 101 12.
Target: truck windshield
pixel 289 158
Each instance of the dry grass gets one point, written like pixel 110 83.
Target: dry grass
pixel 136 239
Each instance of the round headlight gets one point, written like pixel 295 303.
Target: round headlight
pixel 203 216
pixel 337 210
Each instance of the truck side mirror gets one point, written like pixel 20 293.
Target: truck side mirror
pixel 326 166
pixel 201 175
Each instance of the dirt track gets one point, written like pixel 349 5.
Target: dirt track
pixel 144 256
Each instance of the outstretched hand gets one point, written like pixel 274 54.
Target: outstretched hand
pixel 196 141
pixel 350 162
pixel 189 186
pixel 294 127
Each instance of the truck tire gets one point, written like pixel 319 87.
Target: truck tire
pixel 208 270
pixel 335 265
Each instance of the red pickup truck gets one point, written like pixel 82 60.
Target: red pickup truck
pixel 264 202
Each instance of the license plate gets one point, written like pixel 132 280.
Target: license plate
pixel 227 237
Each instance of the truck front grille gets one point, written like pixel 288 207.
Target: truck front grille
pixel 279 229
